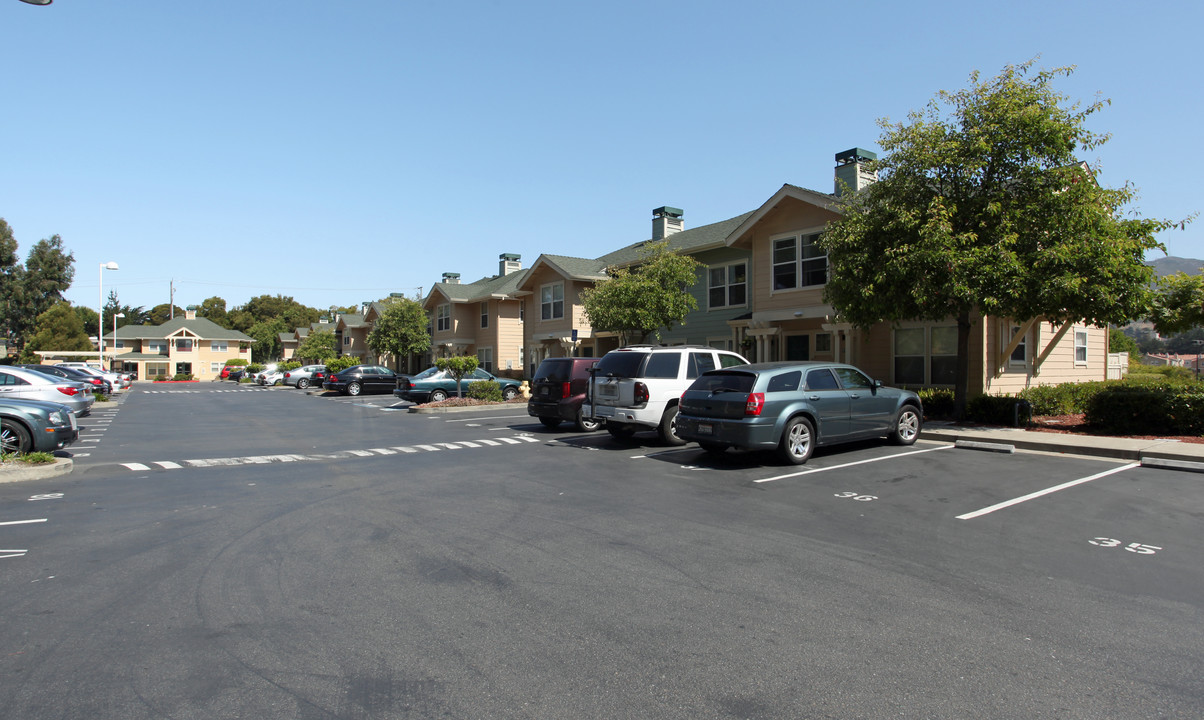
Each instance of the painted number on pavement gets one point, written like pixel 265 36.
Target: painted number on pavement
pixel 856 496
pixel 1138 548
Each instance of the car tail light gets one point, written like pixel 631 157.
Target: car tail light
pixel 286 376
pixel 641 393
pixel 566 390
pixel 755 403
pixel 66 390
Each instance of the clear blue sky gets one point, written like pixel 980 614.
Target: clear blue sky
pixel 338 151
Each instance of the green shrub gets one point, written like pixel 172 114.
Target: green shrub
pixel 161 378
pixel 100 397
pixel 485 390
pixel 236 362
pixel 182 376
pixel 254 368
pixel 938 402
pixel 33 458
pixel 997 410
pixel 1168 409
pixel 341 363
pixel 1169 372
pixel 286 366
pixel 1064 399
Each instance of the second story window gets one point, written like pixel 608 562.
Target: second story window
pixel 798 262
pixel 727 285
pixel 443 318
pixel 485 314
pixel 219 345
pixel 156 346
pixel 183 344
pixel 551 301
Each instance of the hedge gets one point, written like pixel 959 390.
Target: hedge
pixel 1169 409
pixel 485 390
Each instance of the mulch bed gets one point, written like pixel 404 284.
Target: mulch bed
pixel 1077 425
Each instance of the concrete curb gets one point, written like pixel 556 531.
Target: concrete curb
pixel 19 472
pixel 464 408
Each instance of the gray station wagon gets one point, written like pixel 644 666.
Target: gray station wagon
pixel 793 407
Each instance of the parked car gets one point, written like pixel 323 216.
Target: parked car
pixel 227 369
pixel 113 378
pixel 638 387
pixel 98 383
pixel 435 385
pixel 25 384
pixel 236 373
pixel 258 376
pixel 794 407
pixel 558 393
pixel 362 379
pixel 303 376
pixel 272 377
pixel 35 426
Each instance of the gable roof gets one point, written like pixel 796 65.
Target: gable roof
pixel 823 200
pixel 487 288
pixel 201 327
pixel 686 242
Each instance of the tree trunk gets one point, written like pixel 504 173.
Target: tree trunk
pixel 962 384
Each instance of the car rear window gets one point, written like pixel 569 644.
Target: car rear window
pixel 714 382
pixel 557 370
pixel 621 364
pixel 785 382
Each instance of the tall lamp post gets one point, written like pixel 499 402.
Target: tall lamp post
pixel 100 315
pixel 118 315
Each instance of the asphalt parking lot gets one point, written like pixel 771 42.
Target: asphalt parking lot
pixel 294 555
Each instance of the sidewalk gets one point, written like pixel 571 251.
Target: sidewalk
pixel 1168 453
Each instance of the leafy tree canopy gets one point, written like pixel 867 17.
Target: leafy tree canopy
pixel 267 339
pixel 318 347
pixel 214 309
pixel 1119 342
pixel 457 366
pixel 400 330
pixel 1179 304
pixel 26 291
pixel 163 312
pixel 59 328
pixel 983 206
pixel 646 299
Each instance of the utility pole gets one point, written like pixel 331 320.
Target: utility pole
pixel 171 299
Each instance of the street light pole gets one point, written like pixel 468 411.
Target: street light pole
pixel 100 313
pixel 118 315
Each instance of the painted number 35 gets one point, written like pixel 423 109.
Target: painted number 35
pixel 1138 548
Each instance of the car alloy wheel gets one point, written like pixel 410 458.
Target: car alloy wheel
pixel 353 388
pixel 798 440
pixel 907 426
pixel 14 438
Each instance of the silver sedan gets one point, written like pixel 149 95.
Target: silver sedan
pixel 32 385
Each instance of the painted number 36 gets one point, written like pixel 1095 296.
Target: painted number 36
pixel 1138 548
pixel 856 496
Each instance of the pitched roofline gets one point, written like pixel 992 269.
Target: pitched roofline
pixel 811 197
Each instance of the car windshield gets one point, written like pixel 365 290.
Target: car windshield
pixel 621 363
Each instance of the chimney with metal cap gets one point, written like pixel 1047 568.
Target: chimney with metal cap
pixel 451 278
pixel 851 175
pixel 666 221
pixel 508 263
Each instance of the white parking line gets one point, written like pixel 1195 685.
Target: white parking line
pixel 859 462
pixel 23 522
pixel 1046 491
pixel 492 417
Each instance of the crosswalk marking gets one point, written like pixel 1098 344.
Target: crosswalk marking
pixel 372 452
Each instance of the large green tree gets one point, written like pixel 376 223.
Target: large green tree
pixel 214 309
pixel 59 328
pixel 163 312
pixel 267 345
pixel 642 301
pixel 1179 304
pixel 318 346
pixel 29 290
pixel 982 206
pixel 400 330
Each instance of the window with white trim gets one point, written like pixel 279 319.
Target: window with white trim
pixel 727 285
pixel 485 314
pixel 215 367
pixel 219 345
pixel 184 344
pixel 1019 355
pixel 925 355
pixel 1080 347
pixel 485 359
pixel 551 301
pixel 798 262
pixel 443 317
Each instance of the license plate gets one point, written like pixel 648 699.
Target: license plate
pixel 604 411
pixel 543 391
pixel 705 429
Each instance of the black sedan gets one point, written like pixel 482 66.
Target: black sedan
pixel 35 426
pixel 362 379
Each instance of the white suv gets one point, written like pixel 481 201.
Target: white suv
pixel 638 387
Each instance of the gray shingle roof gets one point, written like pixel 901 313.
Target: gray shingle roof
pixel 704 237
pixel 202 327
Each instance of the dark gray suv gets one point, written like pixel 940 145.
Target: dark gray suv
pixel 793 407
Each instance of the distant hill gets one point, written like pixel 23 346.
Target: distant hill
pixel 1171 265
